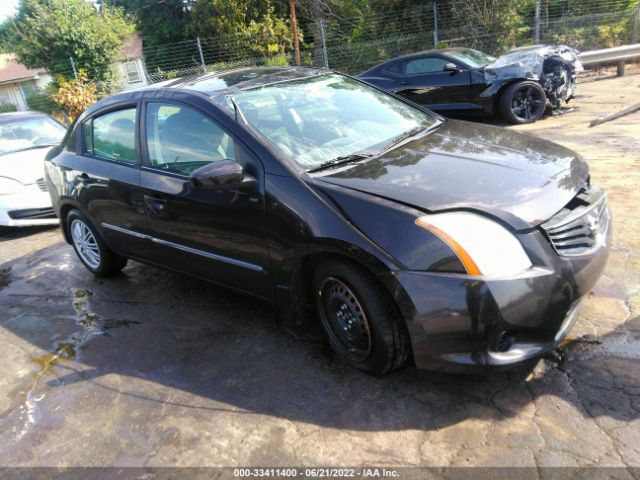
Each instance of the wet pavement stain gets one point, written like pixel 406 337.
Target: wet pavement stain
pixel 92 325
pixel 5 277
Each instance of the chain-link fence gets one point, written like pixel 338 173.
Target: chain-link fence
pixel 354 44
pixel 604 24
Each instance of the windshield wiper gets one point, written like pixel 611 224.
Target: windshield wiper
pixel 402 137
pixel 340 160
pixel 408 134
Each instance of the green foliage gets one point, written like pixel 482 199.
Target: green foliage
pixel 594 37
pixel 42 102
pixel 244 27
pixel 7 107
pixel 279 60
pixel 76 95
pixel 490 25
pixel 159 23
pixel 45 33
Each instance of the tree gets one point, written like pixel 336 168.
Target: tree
pixel 76 95
pixel 243 26
pixel 490 25
pixel 45 33
pixel 158 22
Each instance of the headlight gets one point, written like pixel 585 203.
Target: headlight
pixel 8 185
pixel 483 246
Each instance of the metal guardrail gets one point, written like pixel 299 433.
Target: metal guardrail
pixel 610 55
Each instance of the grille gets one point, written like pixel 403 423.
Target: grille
pixel 581 227
pixel 42 185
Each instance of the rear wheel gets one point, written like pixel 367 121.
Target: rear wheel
pixel 359 319
pixel 90 248
pixel 523 102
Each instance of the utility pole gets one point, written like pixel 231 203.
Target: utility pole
pixel 73 68
pixel 319 43
pixel 537 22
pixel 436 40
pixel 294 31
pixel 202 63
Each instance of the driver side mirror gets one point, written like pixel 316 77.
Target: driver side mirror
pixel 221 175
pixel 451 67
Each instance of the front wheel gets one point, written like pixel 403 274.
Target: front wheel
pixel 91 249
pixel 522 102
pixel 359 319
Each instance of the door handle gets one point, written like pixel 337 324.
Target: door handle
pixel 405 83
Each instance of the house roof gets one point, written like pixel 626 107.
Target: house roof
pixel 12 71
pixel 131 48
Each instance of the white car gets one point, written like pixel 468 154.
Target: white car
pixel 25 139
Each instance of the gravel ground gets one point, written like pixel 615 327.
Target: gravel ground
pixel 153 368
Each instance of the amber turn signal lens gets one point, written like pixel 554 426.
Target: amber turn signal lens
pixel 466 260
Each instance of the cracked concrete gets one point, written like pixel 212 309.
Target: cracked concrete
pixel 152 368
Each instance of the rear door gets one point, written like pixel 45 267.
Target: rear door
pixel 106 175
pixel 215 234
pixel 423 81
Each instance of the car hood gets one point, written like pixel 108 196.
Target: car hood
pixel 25 166
pixel 522 179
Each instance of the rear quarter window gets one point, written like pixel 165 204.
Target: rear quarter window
pixel 111 136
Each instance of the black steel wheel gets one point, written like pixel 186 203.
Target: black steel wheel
pixel 523 102
pixel 344 319
pixel 360 320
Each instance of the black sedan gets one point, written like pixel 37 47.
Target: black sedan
pixel 458 245
pixel 518 86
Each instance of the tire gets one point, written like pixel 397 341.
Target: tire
pixel 360 320
pixel 522 102
pixel 90 248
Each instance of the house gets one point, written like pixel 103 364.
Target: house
pixel 130 63
pixel 18 81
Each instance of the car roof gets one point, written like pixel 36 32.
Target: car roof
pixel 21 115
pixel 410 56
pixel 440 51
pixel 222 83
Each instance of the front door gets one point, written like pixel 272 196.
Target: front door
pixel 215 234
pixel 424 82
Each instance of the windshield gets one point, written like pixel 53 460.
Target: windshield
pixel 325 117
pixel 24 133
pixel 473 58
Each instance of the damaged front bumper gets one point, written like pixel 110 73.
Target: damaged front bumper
pixel 554 67
pixel 464 324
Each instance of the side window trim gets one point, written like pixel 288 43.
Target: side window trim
pixel 105 111
pixel 87 123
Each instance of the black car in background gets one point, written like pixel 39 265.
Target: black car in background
pixel 406 235
pixel 518 86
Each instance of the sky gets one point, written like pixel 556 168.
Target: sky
pixel 7 8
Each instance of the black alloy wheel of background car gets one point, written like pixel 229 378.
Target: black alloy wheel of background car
pixel 523 102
